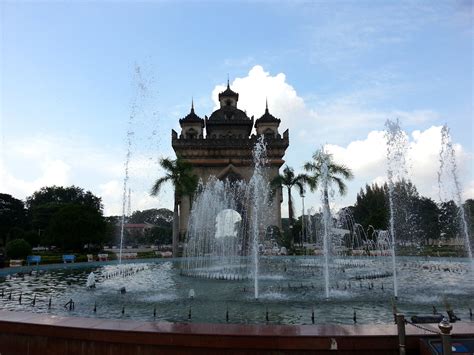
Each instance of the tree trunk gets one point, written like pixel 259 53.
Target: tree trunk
pixel 290 206
pixel 175 227
pixel 290 216
pixel 326 199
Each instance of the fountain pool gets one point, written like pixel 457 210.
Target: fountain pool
pixel 290 289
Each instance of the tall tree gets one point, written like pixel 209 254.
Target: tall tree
pixel 449 219
pixel 179 173
pixel 75 226
pixel 371 207
pixel 405 197
pixel 469 215
pixel 324 170
pixel 47 201
pixel 426 214
pixel 159 217
pixel 12 215
pixel 64 195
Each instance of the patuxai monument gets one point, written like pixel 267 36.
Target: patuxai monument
pixel 221 145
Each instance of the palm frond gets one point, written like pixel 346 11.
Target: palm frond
pixel 341 170
pixel 340 185
pixel 310 167
pixel 276 182
pixel 167 164
pixel 155 190
pixel 300 187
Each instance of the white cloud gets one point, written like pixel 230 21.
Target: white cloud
pixel 34 162
pixel 341 121
pixel 468 190
pixel 367 159
pixel 259 86
pixel 338 119
pixel 51 172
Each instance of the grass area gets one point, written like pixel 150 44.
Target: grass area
pixel 432 250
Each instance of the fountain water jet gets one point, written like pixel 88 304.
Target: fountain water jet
pixel 259 195
pixel 396 171
pixel 226 224
pixel 140 92
pixel 326 221
pixel 448 170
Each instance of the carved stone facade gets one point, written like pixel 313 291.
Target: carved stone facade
pixel 222 146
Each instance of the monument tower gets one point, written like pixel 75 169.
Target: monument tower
pixel 221 145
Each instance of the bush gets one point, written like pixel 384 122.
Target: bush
pixel 18 249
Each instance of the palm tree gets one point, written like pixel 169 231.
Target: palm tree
pixel 326 171
pixel 179 173
pixel 288 179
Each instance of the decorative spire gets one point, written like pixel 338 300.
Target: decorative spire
pixel 228 84
pixel 192 104
pixel 267 116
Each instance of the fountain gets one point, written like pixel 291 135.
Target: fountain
pixel 327 220
pixel 396 172
pixel 91 280
pixel 225 268
pixel 448 173
pixel 221 244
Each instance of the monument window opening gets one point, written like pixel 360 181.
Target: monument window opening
pixel 227 224
pixel 191 134
pixel 269 133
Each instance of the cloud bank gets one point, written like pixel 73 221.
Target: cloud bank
pixel 350 131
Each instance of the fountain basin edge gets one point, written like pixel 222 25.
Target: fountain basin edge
pixel 25 333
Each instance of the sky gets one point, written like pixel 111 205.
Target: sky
pixel 75 76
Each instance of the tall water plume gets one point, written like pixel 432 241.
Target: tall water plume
pixel 397 147
pixel 450 186
pixel 134 108
pixel 227 223
pixel 258 193
pixel 327 219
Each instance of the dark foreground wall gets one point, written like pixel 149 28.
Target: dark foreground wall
pixel 40 334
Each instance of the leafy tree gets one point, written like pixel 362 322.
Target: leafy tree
pixel 46 202
pixel 289 180
pixel 112 229
pixel 469 215
pixel 371 207
pixel 426 213
pixel 416 218
pixel 179 173
pixel 160 217
pixel 449 219
pixel 64 195
pixel 18 249
pixel 75 226
pixel 16 233
pixel 405 197
pixel 32 237
pixel 160 235
pixel 12 214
